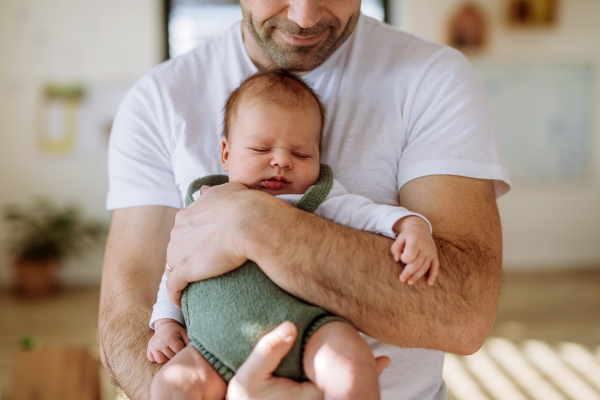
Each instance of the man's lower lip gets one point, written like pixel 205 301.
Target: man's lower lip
pixel 302 41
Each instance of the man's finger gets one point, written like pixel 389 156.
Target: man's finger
pixel 268 353
pixel 175 284
pixel 185 338
pixel 205 188
pixel 382 363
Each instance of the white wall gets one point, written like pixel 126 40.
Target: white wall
pixel 552 225
pixel 87 41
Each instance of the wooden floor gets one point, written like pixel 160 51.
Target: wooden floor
pixel 544 345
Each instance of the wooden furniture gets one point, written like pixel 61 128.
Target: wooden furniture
pixel 56 373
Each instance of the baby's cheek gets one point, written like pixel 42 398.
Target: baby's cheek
pixel 241 177
pixel 311 175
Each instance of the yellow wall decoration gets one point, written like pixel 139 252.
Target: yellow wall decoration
pixel 59 118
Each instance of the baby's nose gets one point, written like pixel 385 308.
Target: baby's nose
pixel 281 159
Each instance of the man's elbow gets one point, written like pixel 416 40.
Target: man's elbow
pixel 468 345
pixel 470 334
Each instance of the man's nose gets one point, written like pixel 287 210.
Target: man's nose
pixel 305 13
pixel 281 159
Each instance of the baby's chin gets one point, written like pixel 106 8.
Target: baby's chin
pixel 277 192
pixel 288 188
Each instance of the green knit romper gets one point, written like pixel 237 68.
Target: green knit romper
pixel 228 314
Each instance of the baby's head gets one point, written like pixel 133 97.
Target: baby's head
pixel 272 130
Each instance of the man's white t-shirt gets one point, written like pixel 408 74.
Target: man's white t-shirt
pixel 398 108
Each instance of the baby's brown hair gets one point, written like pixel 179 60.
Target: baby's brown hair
pixel 272 86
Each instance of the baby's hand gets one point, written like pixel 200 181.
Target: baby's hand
pixel 415 247
pixel 169 339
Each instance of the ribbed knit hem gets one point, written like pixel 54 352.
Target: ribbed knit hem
pixel 222 369
pixel 312 328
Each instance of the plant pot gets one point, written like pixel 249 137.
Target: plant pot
pixel 36 278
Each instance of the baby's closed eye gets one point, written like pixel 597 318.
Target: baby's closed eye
pixel 260 150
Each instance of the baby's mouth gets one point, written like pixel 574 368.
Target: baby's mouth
pixel 275 183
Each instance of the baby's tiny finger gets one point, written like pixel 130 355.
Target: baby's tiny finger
pixel 414 267
pixel 177 346
pixel 382 363
pixel 160 357
pixel 397 247
pixel 396 255
pixel 423 268
pixel 409 254
pixel 407 272
pixel 150 356
pixel 168 352
pixel 433 272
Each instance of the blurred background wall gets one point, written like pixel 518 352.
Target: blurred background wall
pixel 95 43
pixel 104 45
pixel 546 224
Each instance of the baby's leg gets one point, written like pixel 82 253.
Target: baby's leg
pixel 341 363
pixel 188 376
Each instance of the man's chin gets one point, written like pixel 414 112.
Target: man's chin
pixel 299 58
pixel 300 66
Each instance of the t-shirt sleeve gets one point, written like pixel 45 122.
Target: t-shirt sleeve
pixel 140 170
pixel 449 125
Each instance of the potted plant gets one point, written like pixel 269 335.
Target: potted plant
pixel 41 236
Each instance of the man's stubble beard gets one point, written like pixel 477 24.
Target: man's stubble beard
pixel 299 58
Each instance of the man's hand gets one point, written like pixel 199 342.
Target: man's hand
pixel 254 380
pixel 205 241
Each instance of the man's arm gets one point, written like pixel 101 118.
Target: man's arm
pixel 352 273
pixel 133 265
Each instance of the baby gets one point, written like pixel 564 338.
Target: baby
pixel 273 125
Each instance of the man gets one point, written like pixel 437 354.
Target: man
pixel 408 124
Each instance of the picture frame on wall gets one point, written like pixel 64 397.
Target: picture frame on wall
pixel 468 28
pixel 532 13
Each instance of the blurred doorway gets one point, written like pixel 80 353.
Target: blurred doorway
pixel 189 22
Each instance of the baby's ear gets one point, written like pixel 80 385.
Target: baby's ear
pixel 225 154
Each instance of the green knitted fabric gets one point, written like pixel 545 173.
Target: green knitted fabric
pixel 228 314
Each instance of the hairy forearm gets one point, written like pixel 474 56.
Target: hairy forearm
pixel 133 265
pixel 353 274
pixel 124 336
